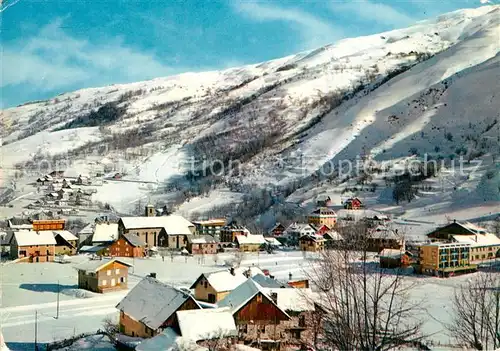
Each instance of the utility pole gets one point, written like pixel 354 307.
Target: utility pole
pixel 36 325
pixel 58 290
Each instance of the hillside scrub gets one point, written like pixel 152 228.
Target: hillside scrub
pixel 106 114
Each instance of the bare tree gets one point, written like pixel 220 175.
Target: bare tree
pixel 365 307
pixel 476 312
pixel 110 326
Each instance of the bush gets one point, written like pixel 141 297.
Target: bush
pixel 106 114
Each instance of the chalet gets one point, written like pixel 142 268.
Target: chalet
pixel 296 230
pixel 166 231
pixel 52 224
pixel 277 230
pixel 204 245
pixel 353 204
pixel 312 243
pixel 322 215
pixel 323 201
pixel 229 232
pixel 250 242
pixel 66 242
pixel 321 229
pixel 382 237
pixel 127 245
pixel 209 227
pixel 273 242
pixel 256 314
pixel 484 245
pixel 103 275
pixel 151 306
pixel 394 258
pixel 105 233
pixel 304 325
pixel 33 246
pixel 213 287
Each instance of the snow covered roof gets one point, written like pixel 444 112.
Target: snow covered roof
pixel 332 235
pixel 88 229
pixel 211 222
pixel 313 237
pixel 105 232
pixel 168 340
pixel 267 282
pixel 152 302
pixel 240 296
pixel 31 238
pixel 291 299
pixel 391 253
pixel 222 280
pixel 250 239
pixel 323 211
pixel 300 228
pixel 201 239
pixel 65 234
pixel 173 224
pixel 478 240
pixel 92 248
pixel 273 241
pixel 96 265
pixel 134 240
pixel 193 324
pixel 382 232
pixel 23 225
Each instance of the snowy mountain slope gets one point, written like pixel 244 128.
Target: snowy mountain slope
pixel 393 94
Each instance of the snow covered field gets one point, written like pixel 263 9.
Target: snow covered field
pixel 27 288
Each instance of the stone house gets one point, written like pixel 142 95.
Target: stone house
pixel 312 243
pixel 103 275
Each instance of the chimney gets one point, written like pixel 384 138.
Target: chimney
pixel 152 275
pixel 289 276
pixel 274 297
pixel 475 238
pixel 231 270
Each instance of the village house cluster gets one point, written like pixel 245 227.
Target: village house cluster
pixel 243 305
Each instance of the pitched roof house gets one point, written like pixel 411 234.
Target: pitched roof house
pixel 192 324
pixel 256 314
pixel 103 275
pixel 66 242
pixel 105 233
pixel 201 244
pixel 128 245
pixel 250 242
pixel 213 287
pixel 37 246
pixel 151 306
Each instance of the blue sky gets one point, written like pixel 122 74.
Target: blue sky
pixel 53 46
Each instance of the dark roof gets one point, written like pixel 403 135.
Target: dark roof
pixel 6 237
pixel 267 282
pixel 134 240
pixel 20 221
pixel 152 302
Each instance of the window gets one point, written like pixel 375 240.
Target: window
pixel 104 282
pixel 108 272
pixel 117 271
pixel 122 279
pixel 302 321
pixel 261 328
pixel 259 298
pixel 205 284
pixel 243 328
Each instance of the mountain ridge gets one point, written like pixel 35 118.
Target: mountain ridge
pixel 283 120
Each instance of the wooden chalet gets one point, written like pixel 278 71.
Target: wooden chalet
pixel 128 245
pixel 103 275
pixel 66 242
pixel 277 230
pixel 151 306
pixel 213 287
pixel 256 314
pixel 312 243
pixel 353 204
